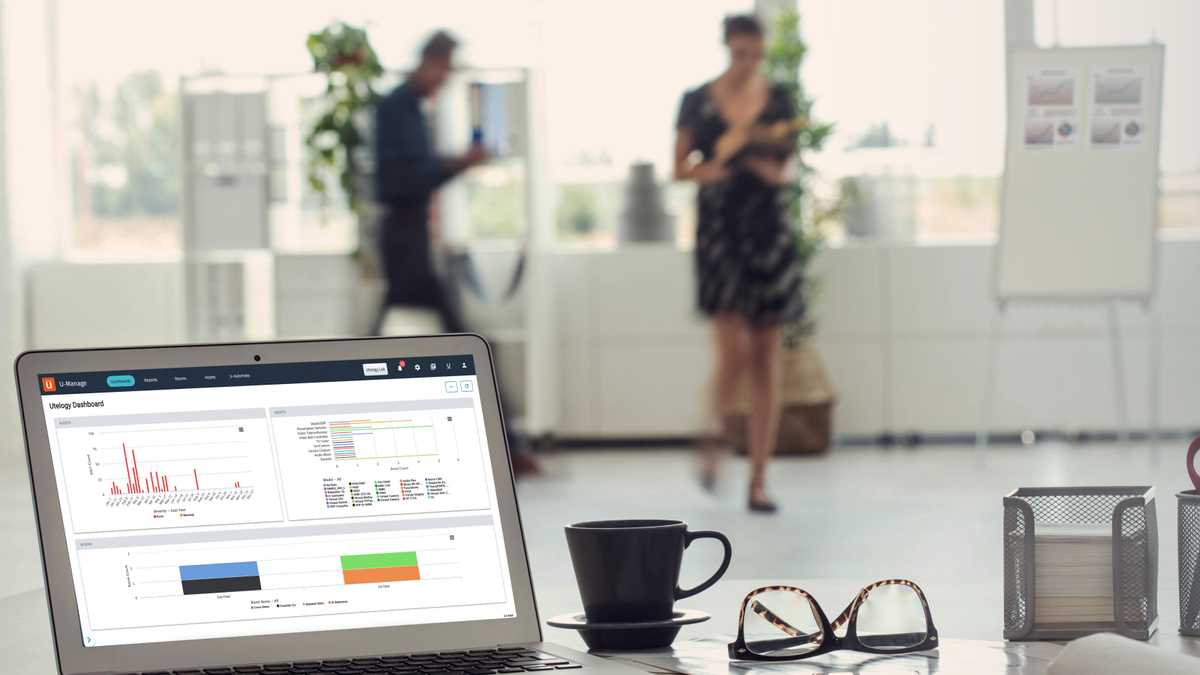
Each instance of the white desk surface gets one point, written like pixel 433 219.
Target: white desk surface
pixel 961 609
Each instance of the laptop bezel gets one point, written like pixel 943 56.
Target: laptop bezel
pixel 76 659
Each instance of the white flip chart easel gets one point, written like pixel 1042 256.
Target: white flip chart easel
pixel 1079 207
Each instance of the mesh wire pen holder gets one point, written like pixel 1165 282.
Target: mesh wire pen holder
pixel 1130 510
pixel 1189 562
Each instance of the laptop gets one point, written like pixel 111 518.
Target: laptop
pixel 323 506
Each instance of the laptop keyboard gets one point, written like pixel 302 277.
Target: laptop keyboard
pixel 495 661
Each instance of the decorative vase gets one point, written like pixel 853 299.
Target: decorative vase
pixel 644 218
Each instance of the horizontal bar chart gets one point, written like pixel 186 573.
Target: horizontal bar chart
pixel 370 568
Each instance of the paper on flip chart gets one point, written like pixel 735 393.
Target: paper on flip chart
pixel 1118 115
pixel 1052 102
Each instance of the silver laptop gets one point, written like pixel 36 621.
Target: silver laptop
pixel 342 505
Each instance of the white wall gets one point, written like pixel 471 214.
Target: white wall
pixel 32 206
pixel 902 331
pixel 9 315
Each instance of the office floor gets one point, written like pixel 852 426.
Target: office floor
pixel 854 513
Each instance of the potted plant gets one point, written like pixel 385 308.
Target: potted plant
pixel 339 146
pixel 806 422
pixel 338 140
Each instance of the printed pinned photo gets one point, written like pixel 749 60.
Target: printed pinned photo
pixel 1118 111
pixel 1052 99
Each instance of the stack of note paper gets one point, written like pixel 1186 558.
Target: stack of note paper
pixel 1074 575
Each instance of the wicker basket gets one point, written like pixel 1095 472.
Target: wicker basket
pixel 806 422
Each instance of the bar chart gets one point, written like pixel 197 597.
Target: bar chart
pixel 412 437
pixel 155 482
pixel 219 578
pixel 377 568
pixel 350 460
pixel 127 474
pixel 182 583
pixel 233 577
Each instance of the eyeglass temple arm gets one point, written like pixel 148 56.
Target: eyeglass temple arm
pixel 773 618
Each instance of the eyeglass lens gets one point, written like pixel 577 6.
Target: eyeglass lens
pixel 781 623
pixel 892 617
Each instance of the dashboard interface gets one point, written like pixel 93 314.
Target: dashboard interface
pixel 252 500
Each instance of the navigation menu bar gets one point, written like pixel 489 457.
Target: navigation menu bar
pixel 401 367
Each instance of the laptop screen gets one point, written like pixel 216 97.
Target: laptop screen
pixel 251 500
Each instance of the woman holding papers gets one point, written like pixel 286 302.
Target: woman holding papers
pixel 746 260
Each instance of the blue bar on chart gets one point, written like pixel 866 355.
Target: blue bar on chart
pixel 220 578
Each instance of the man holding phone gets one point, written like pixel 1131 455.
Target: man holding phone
pixel 408 172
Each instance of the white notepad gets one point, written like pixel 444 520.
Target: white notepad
pixel 1074 573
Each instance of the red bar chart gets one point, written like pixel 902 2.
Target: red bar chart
pixel 173 474
pixel 154 482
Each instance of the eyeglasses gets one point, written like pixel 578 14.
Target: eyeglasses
pixel 781 623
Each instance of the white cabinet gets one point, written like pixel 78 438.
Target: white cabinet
pixel 315 296
pixel 79 305
pixel 901 330
pixel 634 355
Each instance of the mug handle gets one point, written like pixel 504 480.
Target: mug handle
pixel 688 538
pixel 1191 463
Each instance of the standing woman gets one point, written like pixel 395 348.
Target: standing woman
pixel 746 260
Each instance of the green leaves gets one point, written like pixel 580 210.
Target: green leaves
pixel 343 53
pixel 785 56
pixel 342 47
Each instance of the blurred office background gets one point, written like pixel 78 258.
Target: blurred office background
pixel 154 190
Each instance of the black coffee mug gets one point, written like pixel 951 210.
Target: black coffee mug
pixel 628 570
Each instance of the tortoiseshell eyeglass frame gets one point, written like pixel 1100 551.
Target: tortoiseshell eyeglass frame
pixel 739 651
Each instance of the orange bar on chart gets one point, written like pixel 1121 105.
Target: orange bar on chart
pixel 379 575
